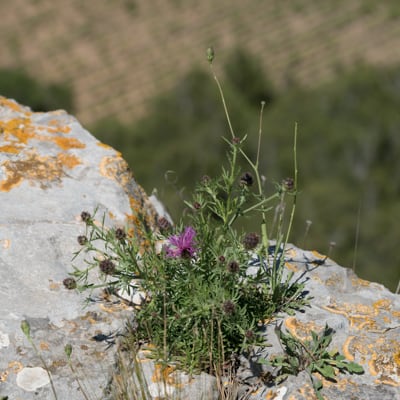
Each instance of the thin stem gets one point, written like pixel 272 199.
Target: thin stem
pixel 264 233
pixel 260 132
pixel 77 379
pixel 45 366
pixel 223 101
pixel 357 235
pixel 295 184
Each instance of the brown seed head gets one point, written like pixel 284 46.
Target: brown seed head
pixel 85 216
pixel 82 240
pixel 251 241
pixel 233 267
pixel 69 283
pixel 107 266
pixel 229 307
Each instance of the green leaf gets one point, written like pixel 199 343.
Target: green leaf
pixel 326 370
pixel 354 368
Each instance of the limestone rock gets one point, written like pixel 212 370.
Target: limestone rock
pixel 365 318
pixel 52 169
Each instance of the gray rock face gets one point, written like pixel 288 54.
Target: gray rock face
pixel 365 318
pixel 51 170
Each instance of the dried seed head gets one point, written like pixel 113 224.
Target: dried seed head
pixel 233 267
pixel 69 283
pixel 221 259
pixel 107 267
pixel 85 216
pixel 120 234
pixel 251 240
pixel 82 240
pixel 246 179
pixel 250 335
pixel 228 307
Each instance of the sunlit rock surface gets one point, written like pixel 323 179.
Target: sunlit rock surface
pixel 52 169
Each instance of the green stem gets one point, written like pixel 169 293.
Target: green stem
pixel 223 101
pixel 45 366
pixel 295 184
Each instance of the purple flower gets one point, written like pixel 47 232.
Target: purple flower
pixel 182 245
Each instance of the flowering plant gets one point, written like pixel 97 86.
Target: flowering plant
pixel 182 245
pixel 202 303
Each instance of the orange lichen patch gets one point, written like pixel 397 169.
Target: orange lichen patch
pixel 318 255
pixel 359 282
pixel 12 149
pixel 108 147
pixel 359 315
pixel 4 102
pixel 301 330
pixel 362 316
pixel 334 279
pixel 385 363
pixel 170 376
pixel 112 309
pixel 67 143
pixel 396 314
pixel 382 304
pixel 35 168
pixel 348 352
pixel 4 376
pixel 91 318
pixel 271 395
pixel 54 285
pixel 162 373
pixel 6 243
pixel 15 366
pixel 355 345
pixel 396 359
pixel 17 129
pixel 44 346
pixel 111 215
pixel 69 160
pixel 291 266
pixel 115 167
pixel 316 278
pixel 306 391
pixel 59 129
pixel 291 253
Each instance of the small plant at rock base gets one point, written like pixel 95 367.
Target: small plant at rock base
pixel 312 356
pixel 202 288
pixel 26 329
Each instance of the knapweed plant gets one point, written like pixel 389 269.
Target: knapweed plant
pixel 206 288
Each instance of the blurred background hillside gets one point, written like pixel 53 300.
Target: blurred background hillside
pixel 135 74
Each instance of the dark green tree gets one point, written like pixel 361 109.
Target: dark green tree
pixel 20 86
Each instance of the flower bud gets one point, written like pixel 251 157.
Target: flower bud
pixel 210 54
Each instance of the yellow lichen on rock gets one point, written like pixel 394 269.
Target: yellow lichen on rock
pixel 301 330
pixel 36 169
